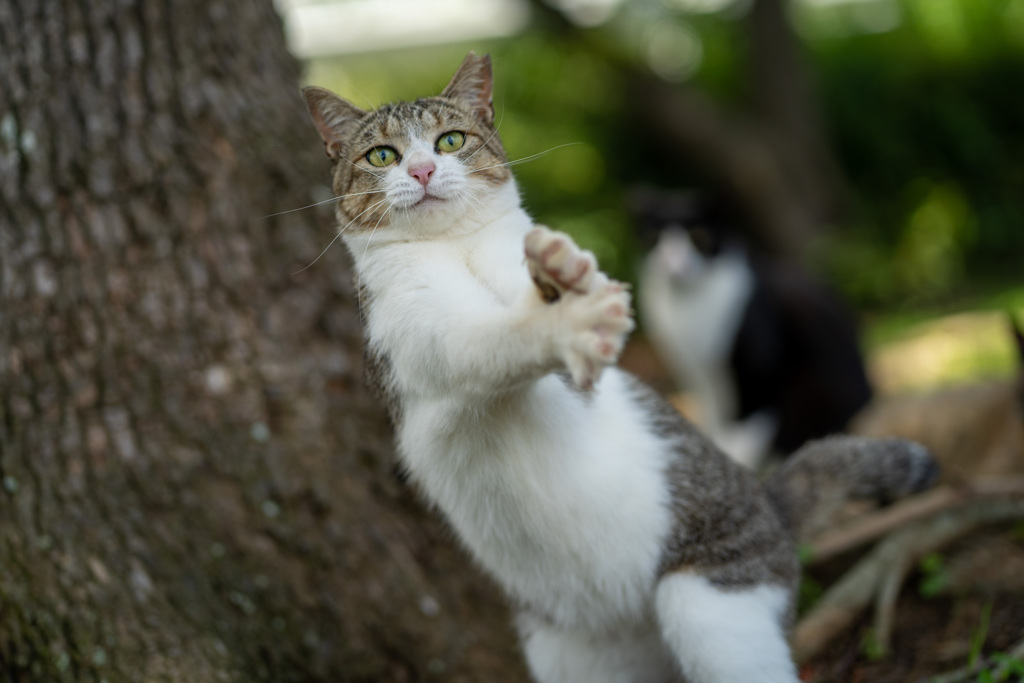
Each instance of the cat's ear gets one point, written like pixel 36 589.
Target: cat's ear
pixel 471 85
pixel 330 115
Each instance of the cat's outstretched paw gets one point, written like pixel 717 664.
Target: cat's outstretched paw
pixel 558 266
pixel 599 322
pixel 595 311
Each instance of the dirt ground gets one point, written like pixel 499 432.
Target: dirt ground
pixel 966 600
pixel 978 605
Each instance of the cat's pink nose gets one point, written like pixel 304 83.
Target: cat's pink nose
pixel 422 172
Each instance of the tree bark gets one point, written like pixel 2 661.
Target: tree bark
pixel 196 485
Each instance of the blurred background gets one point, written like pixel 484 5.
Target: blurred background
pixel 195 484
pixel 878 142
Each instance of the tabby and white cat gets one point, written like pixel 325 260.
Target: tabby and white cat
pixel 630 547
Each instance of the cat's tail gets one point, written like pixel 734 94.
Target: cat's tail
pixel 818 479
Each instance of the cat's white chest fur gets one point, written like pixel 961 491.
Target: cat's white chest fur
pixel 532 476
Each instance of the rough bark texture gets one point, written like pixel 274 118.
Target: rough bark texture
pixel 196 485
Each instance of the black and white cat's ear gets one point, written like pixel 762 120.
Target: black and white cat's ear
pixel 330 115
pixel 472 85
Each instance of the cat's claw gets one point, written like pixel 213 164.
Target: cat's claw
pixel 594 309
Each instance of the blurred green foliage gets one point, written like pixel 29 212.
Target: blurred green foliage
pixel 934 577
pixel 928 122
pixel 923 101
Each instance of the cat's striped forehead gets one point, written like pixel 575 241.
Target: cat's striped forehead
pixel 405 121
pixel 362 187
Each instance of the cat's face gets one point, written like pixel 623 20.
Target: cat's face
pixel 684 234
pixel 413 162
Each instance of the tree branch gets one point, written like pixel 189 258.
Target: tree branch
pixel 886 566
pixel 969 672
pixel 875 525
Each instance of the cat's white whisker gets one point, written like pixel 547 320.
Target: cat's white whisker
pixel 364 170
pixel 369 102
pixel 326 201
pixel 339 234
pixel 370 238
pixel 452 87
pixel 359 289
pixel 525 159
pixel 496 127
pixel 472 201
pixel 329 244
pixel 472 196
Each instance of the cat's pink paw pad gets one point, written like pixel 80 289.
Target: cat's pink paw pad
pixel 557 265
pixel 600 321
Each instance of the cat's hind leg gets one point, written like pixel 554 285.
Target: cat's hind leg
pixel 558 655
pixel 594 310
pixel 725 635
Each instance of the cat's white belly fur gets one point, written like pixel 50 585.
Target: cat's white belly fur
pixel 559 494
pixel 570 513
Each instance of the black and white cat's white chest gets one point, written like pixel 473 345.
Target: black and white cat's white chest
pixel 693 310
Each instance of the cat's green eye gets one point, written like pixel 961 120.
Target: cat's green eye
pixel 381 156
pixel 451 141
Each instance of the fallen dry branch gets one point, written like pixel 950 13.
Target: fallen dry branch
pixel 877 524
pixel 880 574
pixel 968 673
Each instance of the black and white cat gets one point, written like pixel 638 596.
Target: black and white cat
pixel 632 550
pixel 769 352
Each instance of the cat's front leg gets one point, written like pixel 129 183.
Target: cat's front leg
pixel 594 311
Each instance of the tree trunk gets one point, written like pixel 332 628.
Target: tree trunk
pixel 785 103
pixel 196 485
